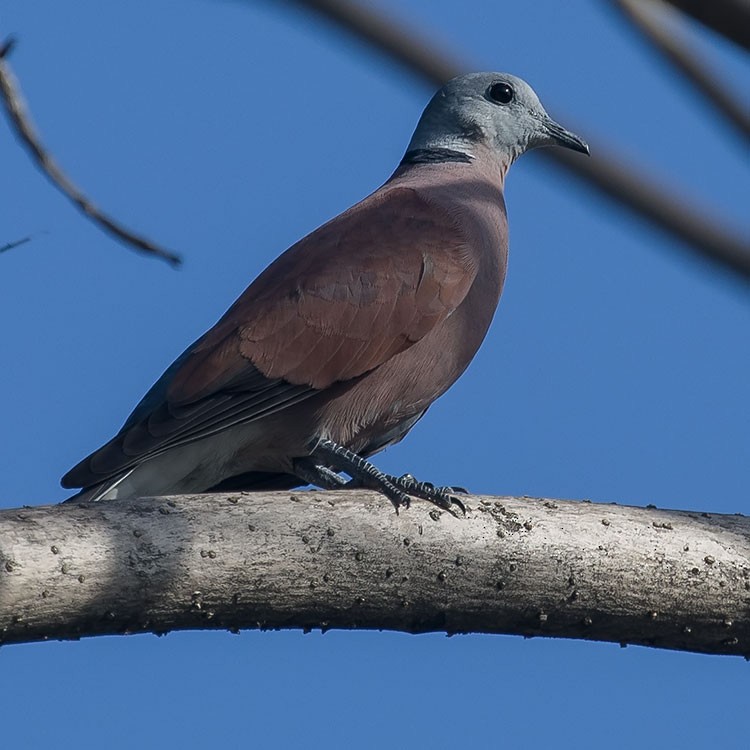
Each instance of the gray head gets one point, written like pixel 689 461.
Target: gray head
pixel 494 109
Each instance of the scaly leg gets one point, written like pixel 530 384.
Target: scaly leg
pixel 396 489
pixel 310 471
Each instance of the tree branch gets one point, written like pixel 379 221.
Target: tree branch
pixel 729 18
pixel 20 122
pixel 649 17
pixel 670 579
pixel 15 243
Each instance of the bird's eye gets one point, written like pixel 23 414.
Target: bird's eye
pixel 500 93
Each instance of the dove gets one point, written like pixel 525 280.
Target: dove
pixel 341 344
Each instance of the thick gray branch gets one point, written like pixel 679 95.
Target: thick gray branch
pixel 670 579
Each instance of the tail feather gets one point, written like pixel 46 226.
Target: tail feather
pixel 98 492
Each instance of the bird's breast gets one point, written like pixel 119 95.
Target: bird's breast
pixel 386 402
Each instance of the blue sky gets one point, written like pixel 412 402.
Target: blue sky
pixel 616 368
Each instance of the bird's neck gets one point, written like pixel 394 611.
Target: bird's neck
pixel 455 155
pixel 442 146
pixel 431 145
pixel 452 184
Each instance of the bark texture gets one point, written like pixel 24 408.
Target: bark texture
pixel 533 567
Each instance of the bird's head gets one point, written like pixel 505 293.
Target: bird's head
pixel 496 110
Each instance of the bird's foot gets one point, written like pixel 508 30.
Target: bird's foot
pixel 398 490
pixel 443 497
pixel 362 472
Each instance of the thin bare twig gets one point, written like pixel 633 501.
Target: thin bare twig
pixel 730 18
pixel 612 175
pixel 21 124
pixel 648 17
pixel 16 243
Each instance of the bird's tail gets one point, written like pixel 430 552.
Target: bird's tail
pixel 106 490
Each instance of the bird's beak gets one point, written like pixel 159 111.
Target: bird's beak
pixel 561 137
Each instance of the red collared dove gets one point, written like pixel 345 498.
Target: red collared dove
pixel 339 347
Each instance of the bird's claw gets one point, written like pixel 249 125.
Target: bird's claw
pixel 455 489
pixel 443 497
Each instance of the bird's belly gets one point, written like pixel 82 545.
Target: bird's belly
pixel 383 405
pixel 202 464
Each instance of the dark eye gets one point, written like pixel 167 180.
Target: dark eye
pixel 500 93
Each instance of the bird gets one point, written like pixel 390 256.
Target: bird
pixel 342 343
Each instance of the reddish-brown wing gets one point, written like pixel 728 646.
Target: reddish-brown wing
pixel 340 302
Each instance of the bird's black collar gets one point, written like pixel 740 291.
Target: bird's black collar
pixel 434 156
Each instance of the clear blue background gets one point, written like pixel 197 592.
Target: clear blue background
pixel 618 368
